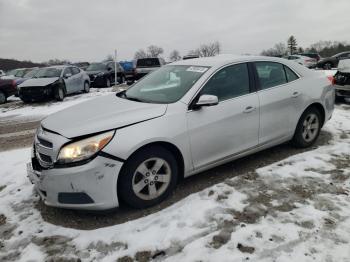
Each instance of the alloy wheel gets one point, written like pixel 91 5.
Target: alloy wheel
pixel 310 127
pixel 151 178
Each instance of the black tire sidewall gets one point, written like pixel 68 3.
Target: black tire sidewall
pixel 5 98
pixel 125 190
pixel 298 139
pixel 57 96
pixel 88 89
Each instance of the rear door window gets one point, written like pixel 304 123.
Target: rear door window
pixel 75 70
pixel 270 74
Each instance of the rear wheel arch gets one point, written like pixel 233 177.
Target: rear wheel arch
pixel 320 109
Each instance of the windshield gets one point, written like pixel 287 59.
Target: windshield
pixel 11 72
pixel 31 73
pixel 148 62
pixel 96 67
pixel 48 72
pixel 166 85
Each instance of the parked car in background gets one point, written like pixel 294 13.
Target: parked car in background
pixel 29 74
pixel 312 55
pixel 332 62
pixel 54 82
pixel 103 74
pixel 2 73
pixel 303 60
pixel 129 70
pixel 190 57
pixel 342 79
pixel 16 73
pixel 182 119
pixel 82 65
pixel 8 88
pixel 143 66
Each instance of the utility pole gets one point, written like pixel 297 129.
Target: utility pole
pixel 115 68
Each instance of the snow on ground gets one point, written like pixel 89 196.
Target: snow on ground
pixel 18 110
pixel 297 209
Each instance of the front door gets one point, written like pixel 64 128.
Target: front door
pixel 232 126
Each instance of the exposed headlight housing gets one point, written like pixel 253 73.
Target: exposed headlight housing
pixel 84 149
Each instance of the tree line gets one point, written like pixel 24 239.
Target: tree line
pixel 323 48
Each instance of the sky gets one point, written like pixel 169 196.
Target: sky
pixel 89 30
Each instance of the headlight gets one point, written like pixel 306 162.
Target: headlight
pixel 84 149
pixel 100 74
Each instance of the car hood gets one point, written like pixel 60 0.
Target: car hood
pixel 101 114
pixel 39 81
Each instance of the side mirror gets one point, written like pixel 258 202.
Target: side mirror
pixel 67 75
pixel 109 68
pixel 207 100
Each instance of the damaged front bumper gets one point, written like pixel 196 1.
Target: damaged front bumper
pixel 92 186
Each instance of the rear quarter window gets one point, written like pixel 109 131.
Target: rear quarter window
pixel 291 76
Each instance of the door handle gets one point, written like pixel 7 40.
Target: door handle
pixel 249 109
pixel 295 94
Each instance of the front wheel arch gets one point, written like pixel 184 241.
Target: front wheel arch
pixel 166 145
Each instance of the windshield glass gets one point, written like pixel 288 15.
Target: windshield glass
pixel 148 62
pixel 20 72
pixel 166 85
pixel 31 73
pixel 96 67
pixel 48 72
pixel 11 72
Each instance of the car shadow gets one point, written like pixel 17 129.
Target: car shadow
pixel 93 220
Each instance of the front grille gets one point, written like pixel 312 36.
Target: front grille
pixel 45 143
pixel 45 158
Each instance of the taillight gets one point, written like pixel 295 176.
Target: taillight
pixel 14 84
pixel 331 79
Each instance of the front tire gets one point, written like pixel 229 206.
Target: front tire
pixel 3 98
pixel 59 93
pixel 308 128
pixel 148 177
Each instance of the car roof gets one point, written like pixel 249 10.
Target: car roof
pixel 221 60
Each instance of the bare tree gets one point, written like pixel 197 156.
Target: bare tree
pixel 154 51
pixel 279 49
pixel 140 54
pixel 174 56
pixel 206 50
pixel 320 45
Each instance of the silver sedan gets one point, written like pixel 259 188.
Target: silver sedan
pixel 184 118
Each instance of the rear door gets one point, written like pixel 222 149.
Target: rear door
pixel 280 97
pixel 221 131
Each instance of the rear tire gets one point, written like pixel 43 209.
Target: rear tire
pixel 108 82
pixel 86 87
pixel 308 128
pixel 148 177
pixel 3 98
pixel 327 66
